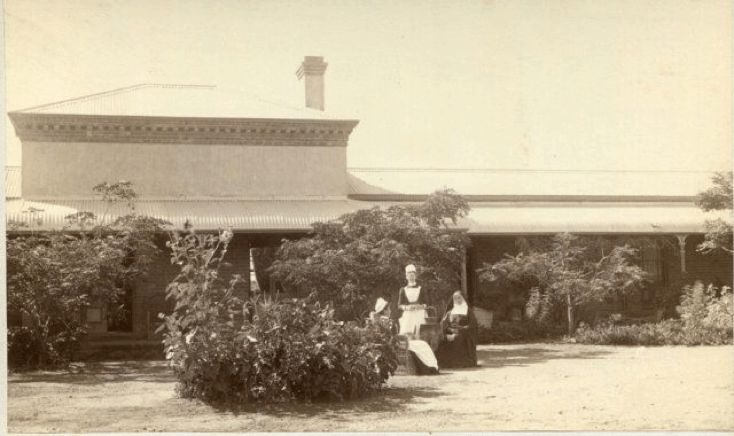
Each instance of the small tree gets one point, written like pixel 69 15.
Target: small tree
pixel 568 271
pixel 351 261
pixel 718 197
pixel 53 276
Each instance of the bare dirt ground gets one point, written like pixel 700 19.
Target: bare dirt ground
pixel 517 387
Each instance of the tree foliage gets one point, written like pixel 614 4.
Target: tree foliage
pixel 351 261
pixel 718 197
pixel 53 276
pixel 568 270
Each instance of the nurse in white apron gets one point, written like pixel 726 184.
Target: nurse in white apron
pixel 413 304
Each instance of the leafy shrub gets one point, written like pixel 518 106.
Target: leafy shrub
pixel 226 351
pixel 25 346
pixel 53 276
pixel 706 319
pixel 707 316
pixel 667 332
pixel 520 332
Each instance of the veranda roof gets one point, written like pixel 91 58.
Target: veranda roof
pixel 12 182
pixel 204 215
pixel 485 218
pixel 620 218
pixel 405 182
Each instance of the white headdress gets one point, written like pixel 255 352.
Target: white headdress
pixel 380 305
pixel 460 309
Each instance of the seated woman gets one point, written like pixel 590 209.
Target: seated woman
pixel 459 347
pixel 381 315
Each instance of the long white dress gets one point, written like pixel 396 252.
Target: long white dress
pixel 410 323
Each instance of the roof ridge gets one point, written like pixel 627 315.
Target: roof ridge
pixel 272 102
pixel 116 91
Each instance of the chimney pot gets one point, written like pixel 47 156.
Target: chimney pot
pixel 313 68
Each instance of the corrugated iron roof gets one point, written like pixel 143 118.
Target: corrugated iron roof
pixel 252 216
pixel 12 182
pixel 285 216
pixel 186 101
pixel 587 218
pixel 488 182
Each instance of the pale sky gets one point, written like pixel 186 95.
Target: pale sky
pixel 528 84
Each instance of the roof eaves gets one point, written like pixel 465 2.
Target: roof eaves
pixel 535 198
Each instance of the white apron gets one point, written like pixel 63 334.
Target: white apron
pixel 411 320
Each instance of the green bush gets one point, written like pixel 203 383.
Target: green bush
pixel 226 351
pixel 704 308
pixel 668 332
pixel 53 276
pixel 291 351
pixel 525 331
pixel 25 346
pixel 706 319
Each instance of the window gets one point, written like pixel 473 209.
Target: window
pixel 94 314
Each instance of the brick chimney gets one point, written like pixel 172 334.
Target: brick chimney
pixel 313 67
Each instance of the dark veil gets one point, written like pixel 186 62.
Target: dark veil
pixel 450 304
pixel 461 349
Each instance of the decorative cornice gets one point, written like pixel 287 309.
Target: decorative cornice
pixel 170 130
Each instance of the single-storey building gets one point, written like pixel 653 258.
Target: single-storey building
pixel 219 158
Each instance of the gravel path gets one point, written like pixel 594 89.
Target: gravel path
pixel 517 387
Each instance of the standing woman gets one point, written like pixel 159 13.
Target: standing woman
pixel 413 304
pixel 459 327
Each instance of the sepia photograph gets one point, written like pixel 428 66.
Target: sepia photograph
pixel 251 216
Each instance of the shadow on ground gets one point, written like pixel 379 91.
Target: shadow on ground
pixel 499 357
pixel 91 373
pixel 390 400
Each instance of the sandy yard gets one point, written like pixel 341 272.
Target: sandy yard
pixel 517 387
